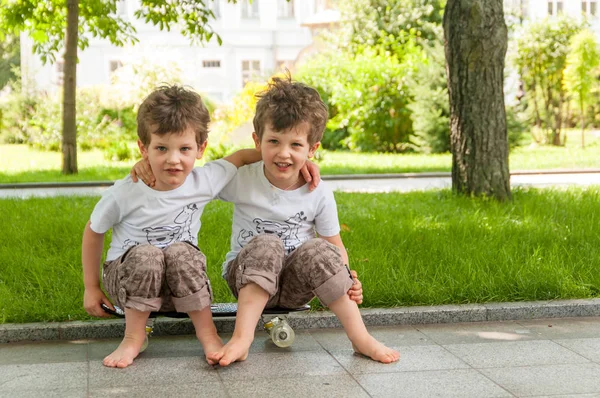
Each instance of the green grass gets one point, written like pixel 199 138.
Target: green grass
pixel 22 164
pixel 417 248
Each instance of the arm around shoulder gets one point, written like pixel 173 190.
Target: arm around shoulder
pixel 243 157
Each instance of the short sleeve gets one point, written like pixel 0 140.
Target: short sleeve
pixel 326 218
pixel 229 192
pixel 219 173
pixel 106 214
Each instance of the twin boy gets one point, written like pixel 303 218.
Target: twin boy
pixel 285 243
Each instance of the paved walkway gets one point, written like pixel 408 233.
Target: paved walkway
pixel 355 183
pixel 544 357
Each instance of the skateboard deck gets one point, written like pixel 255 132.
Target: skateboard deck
pixel 217 309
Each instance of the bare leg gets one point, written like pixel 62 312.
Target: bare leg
pixel 347 312
pixel 206 333
pixel 135 335
pixel 251 302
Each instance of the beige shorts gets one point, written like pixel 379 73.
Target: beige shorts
pixel 314 269
pixel 147 278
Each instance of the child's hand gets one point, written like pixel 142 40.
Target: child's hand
pixel 356 292
pixel 143 171
pixel 312 174
pixel 92 299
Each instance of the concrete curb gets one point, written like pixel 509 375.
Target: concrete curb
pixel 373 317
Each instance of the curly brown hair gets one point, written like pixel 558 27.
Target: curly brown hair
pixel 172 109
pixel 285 104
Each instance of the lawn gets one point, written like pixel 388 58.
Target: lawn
pixel 418 248
pixel 22 164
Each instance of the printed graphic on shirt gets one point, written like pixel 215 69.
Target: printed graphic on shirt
pixel 129 243
pixel 163 236
pixel 185 218
pixel 286 231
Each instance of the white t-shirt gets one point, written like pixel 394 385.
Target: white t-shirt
pixel 139 214
pixel 294 216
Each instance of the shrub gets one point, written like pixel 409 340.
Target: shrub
pixel 369 95
pixel 430 107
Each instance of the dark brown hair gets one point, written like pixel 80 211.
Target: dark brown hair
pixel 285 104
pixel 172 109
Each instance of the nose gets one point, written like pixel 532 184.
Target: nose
pixel 173 157
pixel 284 152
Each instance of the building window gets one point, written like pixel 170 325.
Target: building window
pixel 285 9
pixel 555 7
pixel 250 10
pixel 250 69
pixel 211 64
pixel 283 65
pixel 589 7
pixel 216 8
pixel 113 65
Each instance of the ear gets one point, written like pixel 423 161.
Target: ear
pixel 201 150
pixel 313 149
pixel 256 141
pixel 143 150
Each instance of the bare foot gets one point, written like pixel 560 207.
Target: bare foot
pixel 236 350
pixel 126 352
pixel 211 344
pixel 376 351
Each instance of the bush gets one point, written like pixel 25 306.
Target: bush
pixel 430 107
pixel 16 114
pixel 368 96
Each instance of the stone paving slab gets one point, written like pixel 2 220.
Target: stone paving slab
pixel 418 315
pixel 339 386
pixel 446 360
pixel 514 353
pixel 548 380
pixel 459 383
pixel 192 390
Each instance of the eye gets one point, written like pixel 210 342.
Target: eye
pixel 186 148
pixel 161 148
pixel 272 141
pixel 297 144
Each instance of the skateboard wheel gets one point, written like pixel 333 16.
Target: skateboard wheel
pixel 282 334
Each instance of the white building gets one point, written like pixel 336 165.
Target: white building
pixel 539 9
pixel 258 38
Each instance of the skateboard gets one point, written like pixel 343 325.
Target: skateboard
pixel 274 320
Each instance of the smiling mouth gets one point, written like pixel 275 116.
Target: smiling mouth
pixel 282 165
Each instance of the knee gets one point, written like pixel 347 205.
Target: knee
pixel 145 257
pixel 318 252
pixel 181 255
pixel 263 249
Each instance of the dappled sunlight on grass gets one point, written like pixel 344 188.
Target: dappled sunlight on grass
pixel 418 248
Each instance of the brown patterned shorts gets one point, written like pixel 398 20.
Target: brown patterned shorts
pixel 314 269
pixel 147 278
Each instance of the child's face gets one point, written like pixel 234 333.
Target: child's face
pixel 284 153
pixel 172 157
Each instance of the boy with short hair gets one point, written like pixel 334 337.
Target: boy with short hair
pixel 276 258
pixel 153 263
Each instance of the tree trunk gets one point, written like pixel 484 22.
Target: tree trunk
pixel 475 43
pixel 69 140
